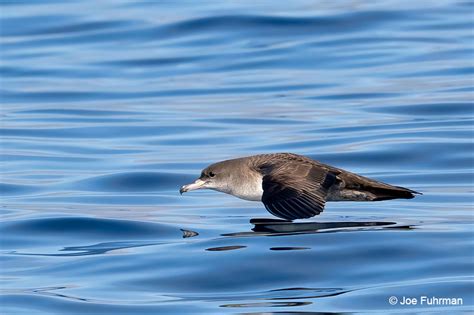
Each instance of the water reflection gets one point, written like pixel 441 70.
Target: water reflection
pixel 292 293
pixel 273 299
pixel 270 227
pixel 96 249
pixel 224 248
pixel 294 313
pixel 47 291
pixel 281 226
pixel 189 233
pixel 283 248
pixel 267 304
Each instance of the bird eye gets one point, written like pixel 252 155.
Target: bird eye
pixel 211 174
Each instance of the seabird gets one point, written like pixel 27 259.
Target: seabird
pixel 292 186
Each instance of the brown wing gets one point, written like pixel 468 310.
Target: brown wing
pixel 295 190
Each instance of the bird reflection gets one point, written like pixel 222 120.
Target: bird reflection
pixel 279 227
pixel 282 226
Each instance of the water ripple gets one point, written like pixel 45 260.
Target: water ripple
pixel 109 107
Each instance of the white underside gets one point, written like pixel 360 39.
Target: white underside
pixel 251 190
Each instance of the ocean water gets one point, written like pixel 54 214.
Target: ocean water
pixel 108 107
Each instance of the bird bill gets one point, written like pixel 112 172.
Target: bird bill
pixel 198 184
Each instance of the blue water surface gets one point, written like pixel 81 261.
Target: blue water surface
pixel 108 107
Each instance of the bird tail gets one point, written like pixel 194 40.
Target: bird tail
pixel 392 192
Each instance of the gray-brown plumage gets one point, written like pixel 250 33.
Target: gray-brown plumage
pixel 292 186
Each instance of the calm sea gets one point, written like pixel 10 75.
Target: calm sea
pixel 108 107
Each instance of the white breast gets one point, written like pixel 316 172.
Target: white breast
pixel 249 189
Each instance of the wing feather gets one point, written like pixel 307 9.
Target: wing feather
pixel 293 189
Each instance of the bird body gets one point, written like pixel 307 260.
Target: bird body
pixel 292 186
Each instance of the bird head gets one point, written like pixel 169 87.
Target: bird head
pixel 212 177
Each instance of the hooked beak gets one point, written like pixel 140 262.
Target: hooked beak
pixel 198 184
